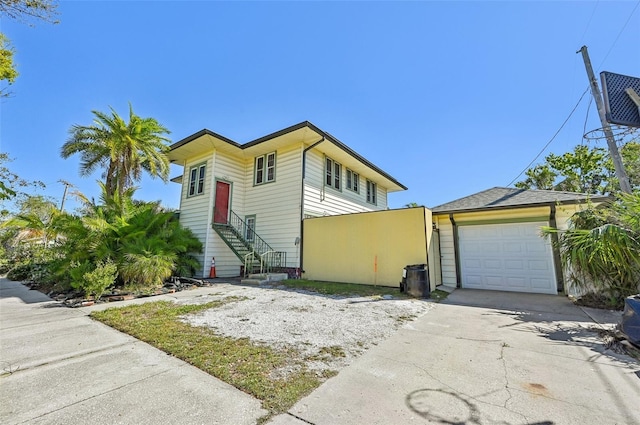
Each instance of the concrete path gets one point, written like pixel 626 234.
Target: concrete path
pixel 479 358
pixel 484 357
pixel 60 367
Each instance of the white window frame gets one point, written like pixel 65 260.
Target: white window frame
pixel 353 181
pixel 372 192
pixel 266 173
pixel 250 228
pixel 332 173
pixel 197 177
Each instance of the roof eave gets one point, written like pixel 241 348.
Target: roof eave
pixel 397 186
pixel 522 206
pixel 360 158
pixel 199 134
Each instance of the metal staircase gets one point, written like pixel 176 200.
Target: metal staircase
pixel 253 251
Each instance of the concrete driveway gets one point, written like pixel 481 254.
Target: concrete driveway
pixel 61 367
pixel 484 357
pixel 481 357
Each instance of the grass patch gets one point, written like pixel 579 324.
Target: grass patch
pixel 252 368
pixel 439 295
pixel 327 353
pixel 333 351
pixel 342 289
pixel 404 318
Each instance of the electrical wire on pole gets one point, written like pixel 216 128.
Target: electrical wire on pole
pixel 625 186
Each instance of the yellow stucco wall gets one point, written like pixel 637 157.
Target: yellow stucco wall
pixel 368 248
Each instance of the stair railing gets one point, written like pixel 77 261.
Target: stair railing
pixel 269 258
pixel 248 262
pixel 258 244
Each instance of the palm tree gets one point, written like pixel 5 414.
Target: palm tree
pixel 123 149
pixel 146 244
pixel 601 249
pixel 36 221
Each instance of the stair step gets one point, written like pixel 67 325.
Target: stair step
pixel 269 277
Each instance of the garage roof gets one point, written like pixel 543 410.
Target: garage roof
pixel 507 197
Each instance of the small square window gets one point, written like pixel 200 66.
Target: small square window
pixel 265 168
pixel 197 177
pixel 333 173
pixel 353 181
pixel 250 228
pixel 372 192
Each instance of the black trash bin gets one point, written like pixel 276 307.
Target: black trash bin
pixel 415 281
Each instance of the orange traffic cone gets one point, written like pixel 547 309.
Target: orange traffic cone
pixel 212 272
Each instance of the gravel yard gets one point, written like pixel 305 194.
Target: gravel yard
pixel 328 332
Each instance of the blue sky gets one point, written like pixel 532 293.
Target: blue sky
pixel 450 98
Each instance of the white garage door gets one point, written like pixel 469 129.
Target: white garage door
pixel 506 257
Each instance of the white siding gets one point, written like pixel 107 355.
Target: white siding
pixel 447 251
pixel 231 170
pixel 195 210
pixel 321 200
pixel 276 205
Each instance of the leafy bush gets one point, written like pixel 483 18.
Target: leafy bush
pixel 4 267
pixel 143 242
pixel 97 281
pixel 77 272
pixel 20 272
pixel 601 249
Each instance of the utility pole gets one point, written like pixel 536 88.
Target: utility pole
pixel 625 186
pixel 64 195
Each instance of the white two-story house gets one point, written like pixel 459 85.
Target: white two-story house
pixel 246 202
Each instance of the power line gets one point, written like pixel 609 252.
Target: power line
pixel 552 139
pixel 586 119
pixel 585 92
pixel 593 12
pixel 619 34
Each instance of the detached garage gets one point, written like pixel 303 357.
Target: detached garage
pixel 491 240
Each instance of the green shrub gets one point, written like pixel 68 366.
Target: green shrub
pixel 4 267
pixel 20 272
pixel 77 272
pixel 97 281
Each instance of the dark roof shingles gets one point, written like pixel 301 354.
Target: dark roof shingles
pixel 504 197
pixel 292 128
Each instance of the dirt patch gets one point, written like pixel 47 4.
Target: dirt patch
pixel 600 301
pixel 328 331
pixel 615 340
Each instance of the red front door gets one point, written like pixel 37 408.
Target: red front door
pixel 221 208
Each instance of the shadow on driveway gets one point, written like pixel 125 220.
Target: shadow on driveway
pixel 553 317
pixel 11 289
pixel 422 402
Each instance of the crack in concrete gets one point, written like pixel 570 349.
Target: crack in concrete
pixel 507 388
pixel 478 340
pixel 19 368
pixel 505 374
pixel 39 323
pixel 300 418
pixel 469 396
pixel 10 368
